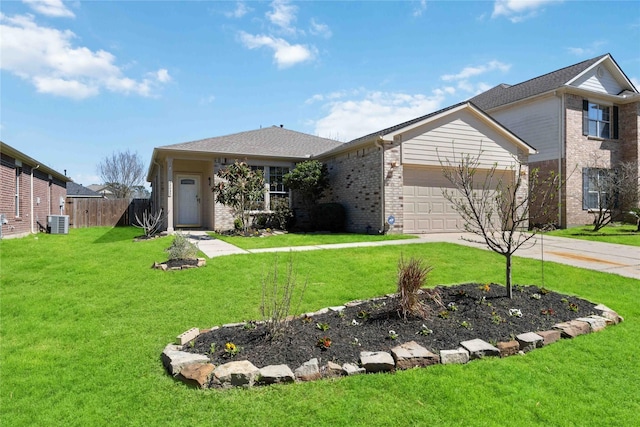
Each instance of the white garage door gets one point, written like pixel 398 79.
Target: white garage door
pixel 425 209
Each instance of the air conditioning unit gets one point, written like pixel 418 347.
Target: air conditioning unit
pixel 58 224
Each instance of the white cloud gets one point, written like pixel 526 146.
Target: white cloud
pixel 462 78
pixel 53 8
pixel 519 10
pixel 420 8
pixel 240 10
pixel 592 49
pixel 283 15
pixel 319 29
pixel 372 112
pixel 477 70
pixel 48 59
pixel 284 53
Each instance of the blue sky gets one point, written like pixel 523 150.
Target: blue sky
pixel 83 79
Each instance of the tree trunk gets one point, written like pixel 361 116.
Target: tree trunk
pixel 508 276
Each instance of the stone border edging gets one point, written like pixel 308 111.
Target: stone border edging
pixel 198 371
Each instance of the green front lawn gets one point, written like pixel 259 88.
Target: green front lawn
pixel 83 320
pixel 305 239
pixel 616 233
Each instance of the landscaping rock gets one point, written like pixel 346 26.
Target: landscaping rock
pixel 274 374
pixel 607 313
pixel 597 323
pixel 187 336
pixel 309 370
pixel 197 375
pixel 508 348
pixel 352 369
pixel 377 361
pixel 237 374
pixel 174 360
pixel 573 328
pixel 458 356
pixel 549 337
pixel 529 341
pixel 478 348
pixel 411 354
pixel 332 369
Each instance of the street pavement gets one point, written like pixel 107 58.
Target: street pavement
pixel 605 257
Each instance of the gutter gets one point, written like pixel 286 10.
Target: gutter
pixel 33 228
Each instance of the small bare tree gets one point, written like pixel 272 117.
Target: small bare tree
pixel 121 172
pixel 276 299
pixel 609 192
pixel 495 205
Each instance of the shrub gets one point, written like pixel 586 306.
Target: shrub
pixel 182 248
pixel 329 217
pixel 150 222
pixel 412 275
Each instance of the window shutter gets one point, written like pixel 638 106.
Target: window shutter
pixel 585 188
pixel 585 117
pixel 615 122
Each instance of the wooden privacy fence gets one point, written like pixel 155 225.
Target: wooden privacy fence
pixel 104 212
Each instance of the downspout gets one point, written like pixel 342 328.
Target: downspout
pixel 561 155
pixel 380 144
pixel 33 228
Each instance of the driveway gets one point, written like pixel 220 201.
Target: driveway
pixel 605 257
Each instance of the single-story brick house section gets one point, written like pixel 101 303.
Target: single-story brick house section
pixel 30 192
pixel 388 181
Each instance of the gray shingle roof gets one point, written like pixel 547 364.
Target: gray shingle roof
pixel 272 141
pixel 505 94
pixel 77 190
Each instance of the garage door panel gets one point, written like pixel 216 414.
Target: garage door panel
pixel 425 209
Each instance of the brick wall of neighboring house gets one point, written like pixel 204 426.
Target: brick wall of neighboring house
pixel 355 181
pixel 629 121
pixel 39 196
pixel 582 151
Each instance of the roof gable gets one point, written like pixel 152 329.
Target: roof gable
pixel 412 126
pixel 577 75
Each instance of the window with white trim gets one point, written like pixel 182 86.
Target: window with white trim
pixel 277 191
pixel 17 197
pixel 599 120
pixel 594 188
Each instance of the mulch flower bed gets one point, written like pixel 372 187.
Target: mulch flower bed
pixel 466 312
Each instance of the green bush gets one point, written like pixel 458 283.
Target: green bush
pixel 182 248
pixel 329 217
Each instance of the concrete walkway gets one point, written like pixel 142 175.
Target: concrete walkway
pixel 605 257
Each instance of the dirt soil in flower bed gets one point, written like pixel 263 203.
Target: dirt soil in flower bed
pixel 468 311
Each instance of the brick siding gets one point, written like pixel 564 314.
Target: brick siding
pixel 582 151
pixel 45 198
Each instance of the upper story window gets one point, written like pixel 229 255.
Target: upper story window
pixel 599 120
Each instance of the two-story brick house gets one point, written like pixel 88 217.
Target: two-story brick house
pixel 582 119
pixel 30 192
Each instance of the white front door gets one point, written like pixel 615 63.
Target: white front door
pixel 188 200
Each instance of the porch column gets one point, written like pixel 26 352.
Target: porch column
pixel 170 195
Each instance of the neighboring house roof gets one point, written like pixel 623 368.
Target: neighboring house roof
pixel 272 141
pixel 18 155
pixel 506 94
pixel 79 191
pixel 390 132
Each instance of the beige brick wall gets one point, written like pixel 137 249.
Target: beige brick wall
pixel 582 151
pixel 355 182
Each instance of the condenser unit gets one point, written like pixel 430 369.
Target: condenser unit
pixel 58 224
